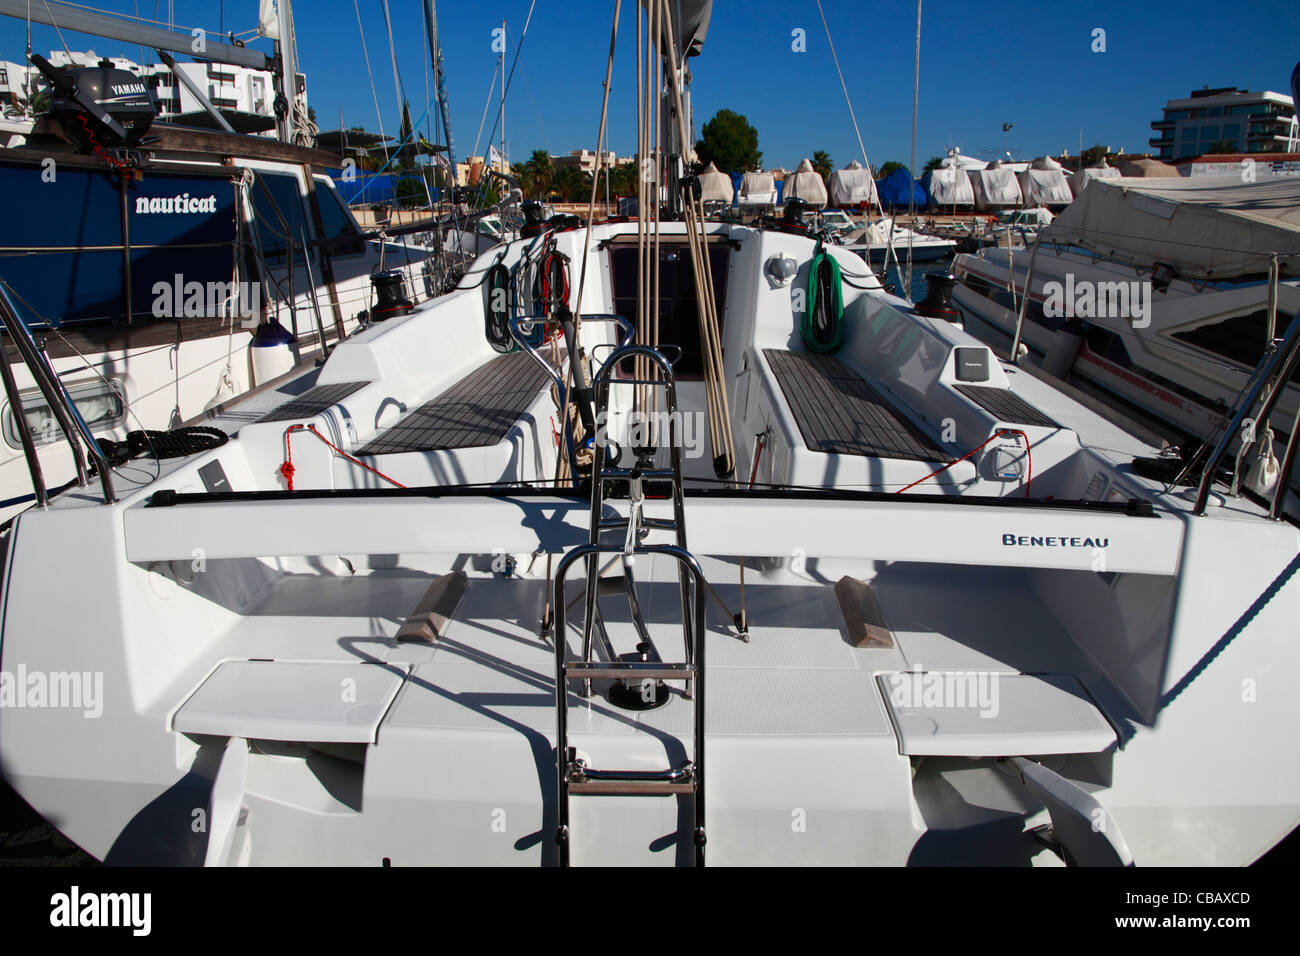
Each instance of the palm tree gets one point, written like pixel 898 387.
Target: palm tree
pixel 522 173
pixel 821 161
pixel 541 172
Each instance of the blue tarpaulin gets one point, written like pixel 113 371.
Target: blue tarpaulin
pixel 893 190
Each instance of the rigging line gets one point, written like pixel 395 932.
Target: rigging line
pixel 56 28
pixel 487 105
pixel 591 205
pixel 373 92
pixel 509 80
pixel 911 192
pixel 399 89
pixel 844 87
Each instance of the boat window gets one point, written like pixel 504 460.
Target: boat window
pixel 102 405
pixel 287 196
pixel 678 314
pixel 335 220
pixel 1240 338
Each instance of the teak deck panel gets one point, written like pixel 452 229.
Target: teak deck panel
pixel 476 411
pixel 839 413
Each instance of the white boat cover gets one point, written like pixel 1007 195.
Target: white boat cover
pixel 1044 184
pixel 853 186
pixel 951 186
pixel 995 187
pixel 1079 181
pixel 805 183
pixel 1147 169
pixel 715 185
pixel 758 189
pixel 1209 227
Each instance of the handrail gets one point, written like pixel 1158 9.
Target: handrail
pixel 1283 359
pixel 56 395
pixel 24 432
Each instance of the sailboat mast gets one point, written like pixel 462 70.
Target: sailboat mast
pixel 435 56
pixel 286 122
pixel 502 66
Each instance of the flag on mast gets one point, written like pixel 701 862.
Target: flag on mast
pixel 494 157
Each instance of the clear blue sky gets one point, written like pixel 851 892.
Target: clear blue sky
pixel 982 63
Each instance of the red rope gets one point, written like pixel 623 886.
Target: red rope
pixel 123 168
pixel 1029 472
pixel 287 468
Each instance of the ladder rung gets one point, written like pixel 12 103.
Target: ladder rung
pixel 654 524
pixel 621 670
pixel 638 381
pixel 629 788
pixel 645 473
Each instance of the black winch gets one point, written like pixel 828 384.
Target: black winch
pixel 937 303
pixel 390 296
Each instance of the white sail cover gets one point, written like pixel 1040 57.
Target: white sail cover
pixel 1209 227
pixel 715 186
pixel 995 187
pixel 853 186
pixel 1147 169
pixel 951 186
pixel 758 189
pixel 805 183
pixel 1079 181
pixel 268 20
pixel 1044 184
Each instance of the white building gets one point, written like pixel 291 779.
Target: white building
pixel 1253 122
pixel 246 93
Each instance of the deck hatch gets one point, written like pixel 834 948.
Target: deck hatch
pixel 313 401
pixel 1005 405
pixel 293 701
pixel 839 413
pixel 476 411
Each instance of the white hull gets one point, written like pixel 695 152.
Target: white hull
pixel 252 676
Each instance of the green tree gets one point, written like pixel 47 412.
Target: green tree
pixel 541 173
pixel 405 137
pixel 892 165
pixel 571 184
pixel 934 162
pixel 730 142
pixel 821 161
pixel 524 176
pixel 1093 155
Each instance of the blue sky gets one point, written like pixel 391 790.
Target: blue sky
pixel 1029 63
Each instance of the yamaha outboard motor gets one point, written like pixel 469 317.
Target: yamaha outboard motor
pixel 98 105
pixel 937 303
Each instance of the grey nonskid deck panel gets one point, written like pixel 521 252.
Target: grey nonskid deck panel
pixel 1005 405
pixel 841 414
pixel 476 411
pixel 313 401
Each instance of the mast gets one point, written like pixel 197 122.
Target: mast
pixel 286 123
pixel 504 165
pixel 435 55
